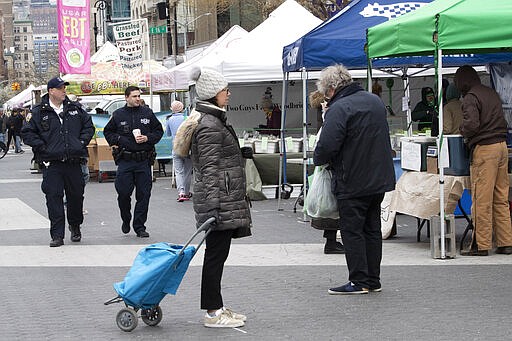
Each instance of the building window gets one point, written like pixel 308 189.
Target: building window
pixel 120 9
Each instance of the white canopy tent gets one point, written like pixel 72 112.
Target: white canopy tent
pixel 21 98
pixel 177 78
pixel 107 52
pixel 258 56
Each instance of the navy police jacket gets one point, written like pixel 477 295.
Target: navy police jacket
pixel 52 140
pixel 119 129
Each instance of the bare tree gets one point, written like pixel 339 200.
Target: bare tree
pixel 322 9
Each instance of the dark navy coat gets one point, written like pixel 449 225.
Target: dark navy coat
pixel 355 142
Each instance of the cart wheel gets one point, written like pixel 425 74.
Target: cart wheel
pixel 126 319
pixel 151 316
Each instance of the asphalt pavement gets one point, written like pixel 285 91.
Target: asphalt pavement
pixel 278 277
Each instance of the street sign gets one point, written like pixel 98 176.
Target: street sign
pixel 158 29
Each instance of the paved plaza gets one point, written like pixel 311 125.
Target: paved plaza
pixel 279 277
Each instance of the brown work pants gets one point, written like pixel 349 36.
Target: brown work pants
pixel 489 191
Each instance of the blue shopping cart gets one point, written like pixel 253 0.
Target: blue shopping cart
pixel 157 271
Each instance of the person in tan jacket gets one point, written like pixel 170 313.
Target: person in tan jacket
pixel 485 131
pixel 452 111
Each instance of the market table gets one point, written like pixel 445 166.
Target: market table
pixel 417 193
pixel 268 168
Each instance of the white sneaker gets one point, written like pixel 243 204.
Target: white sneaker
pixel 223 320
pixel 235 315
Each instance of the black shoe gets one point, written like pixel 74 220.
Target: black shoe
pixel 56 242
pixel 76 236
pixel 504 250
pixel 334 248
pixel 142 234
pixel 348 289
pixel 125 228
pixel 474 252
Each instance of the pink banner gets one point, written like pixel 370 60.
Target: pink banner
pixel 74 36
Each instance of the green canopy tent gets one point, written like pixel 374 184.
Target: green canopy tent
pixel 444 27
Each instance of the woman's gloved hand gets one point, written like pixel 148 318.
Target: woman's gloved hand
pixel 246 152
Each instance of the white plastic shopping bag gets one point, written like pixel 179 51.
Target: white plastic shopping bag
pixel 320 201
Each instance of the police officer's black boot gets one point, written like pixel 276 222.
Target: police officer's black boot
pixel 76 236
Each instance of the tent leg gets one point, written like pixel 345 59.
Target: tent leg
pixel 282 152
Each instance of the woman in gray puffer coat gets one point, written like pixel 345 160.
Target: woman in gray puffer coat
pixel 219 187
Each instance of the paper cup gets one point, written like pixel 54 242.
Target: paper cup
pixel 136 132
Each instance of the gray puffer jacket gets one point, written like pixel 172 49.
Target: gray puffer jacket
pixel 219 174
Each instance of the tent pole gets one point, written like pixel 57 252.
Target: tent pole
pixel 282 152
pixel 305 143
pixel 441 156
pixel 407 95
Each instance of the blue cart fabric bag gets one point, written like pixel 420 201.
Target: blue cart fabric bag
pixel 157 270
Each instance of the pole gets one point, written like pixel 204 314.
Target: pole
pixel 95 29
pixel 185 38
pixel 169 31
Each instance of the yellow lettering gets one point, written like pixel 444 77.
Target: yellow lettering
pixel 65 26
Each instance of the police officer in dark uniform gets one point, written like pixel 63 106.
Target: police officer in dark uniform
pixel 133 131
pixel 58 132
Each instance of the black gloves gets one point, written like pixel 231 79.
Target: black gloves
pixel 246 152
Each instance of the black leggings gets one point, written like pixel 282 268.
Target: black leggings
pixel 218 244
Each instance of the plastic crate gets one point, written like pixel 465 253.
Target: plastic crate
pixel 270 148
pixel 293 145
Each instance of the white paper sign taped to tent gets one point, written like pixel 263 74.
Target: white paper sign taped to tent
pixel 405 103
pixel 445 155
pixel 411 156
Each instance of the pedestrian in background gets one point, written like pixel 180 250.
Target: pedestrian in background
pixel 425 112
pixel 452 111
pixel 182 165
pixel 329 226
pixel 58 132
pixel 132 132
pixel 355 143
pixel 14 125
pixel 219 187
pixel 485 130
pixel 3 125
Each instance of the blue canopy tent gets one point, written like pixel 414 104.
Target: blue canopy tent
pixel 342 39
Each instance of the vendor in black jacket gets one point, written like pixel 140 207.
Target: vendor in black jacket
pixel 133 131
pixel 58 132
pixel 355 143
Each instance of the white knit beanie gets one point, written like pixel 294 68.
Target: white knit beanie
pixel 176 106
pixel 208 83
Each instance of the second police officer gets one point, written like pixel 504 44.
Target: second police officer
pixel 133 131
pixel 59 132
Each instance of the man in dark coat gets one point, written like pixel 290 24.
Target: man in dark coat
pixel 355 143
pixel 59 132
pixel 425 112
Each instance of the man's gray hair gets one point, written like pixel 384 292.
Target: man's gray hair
pixel 335 77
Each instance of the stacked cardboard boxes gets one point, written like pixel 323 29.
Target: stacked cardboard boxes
pixel 99 150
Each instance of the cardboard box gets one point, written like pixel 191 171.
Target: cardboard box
pixel 103 150
pixel 92 163
pixel 432 166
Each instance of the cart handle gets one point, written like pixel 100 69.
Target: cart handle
pixel 204 227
